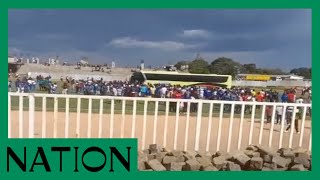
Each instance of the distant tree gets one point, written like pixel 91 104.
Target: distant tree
pixel 226 66
pixel 199 66
pixel 249 68
pixel 270 71
pixel 181 63
pixel 303 71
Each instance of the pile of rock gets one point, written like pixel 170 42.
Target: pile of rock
pixel 254 158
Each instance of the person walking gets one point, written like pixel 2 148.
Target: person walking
pixel 65 88
pixel 279 111
pixel 269 113
pixel 289 116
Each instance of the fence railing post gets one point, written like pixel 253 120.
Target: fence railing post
pixel 252 123
pixel 144 124
pixel 230 128
pixel 241 126
pixel 123 118
pixel 292 128
pixel 187 127
pixel 209 127
pixel 78 117
pixel 100 118
pixel 302 125
pixel 262 123
pixel 166 125
pixel 9 116
pixel 111 118
pixel 133 126
pixel 89 118
pixel 272 125
pixel 198 126
pixel 55 117
pixel 66 130
pixel 155 122
pixel 21 115
pixel 31 115
pixel 284 110
pixel 44 117
pixel 176 129
pixel 220 126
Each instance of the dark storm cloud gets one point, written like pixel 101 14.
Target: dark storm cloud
pixel 155 35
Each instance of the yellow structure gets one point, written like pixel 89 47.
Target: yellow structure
pixel 258 77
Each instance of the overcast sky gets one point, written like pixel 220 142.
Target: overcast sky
pixel 269 38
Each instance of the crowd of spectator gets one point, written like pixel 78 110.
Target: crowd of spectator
pixel 135 89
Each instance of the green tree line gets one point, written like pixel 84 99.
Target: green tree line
pixel 223 65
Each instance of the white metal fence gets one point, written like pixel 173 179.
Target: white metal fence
pixel 210 128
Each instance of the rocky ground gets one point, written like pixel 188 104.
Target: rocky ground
pixel 254 158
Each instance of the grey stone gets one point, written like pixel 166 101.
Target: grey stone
pixel 188 156
pixel 241 158
pixel 160 156
pixel 141 166
pixel 153 148
pixel 289 155
pixel 219 162
pixel 192 165
pixel 252 153
pixel 210 168
pixel 140 152
pixel 169 159
pixel 282 150
pixel 309 154
pixel 175 166
pixel 165 150
pixel 181 158
pixel 204 161
pixel 270 165
pixel 146 151
pixel 280 161
pixel 256 154
pixel 302 158
pixel 204 154
pixel 256 163
pixel 265 150
pixel 249 153
pixel 191 153
pixel 176 153
pixel 156 165
pixel 252 148
pixel 298 167
pixel 267 158
pixel 231 166
pixel 299 150
pixel 143 157
pixel 227 156
pixel 151 156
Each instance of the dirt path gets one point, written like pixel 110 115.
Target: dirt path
pixel 160 130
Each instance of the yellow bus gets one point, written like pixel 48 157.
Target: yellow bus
pixel 182 79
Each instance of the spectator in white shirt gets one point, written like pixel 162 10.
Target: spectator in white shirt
pixel 279 110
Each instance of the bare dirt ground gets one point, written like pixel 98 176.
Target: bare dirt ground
pixel 160 130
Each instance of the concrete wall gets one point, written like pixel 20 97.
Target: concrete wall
pixel 272 83
pixel 57 76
